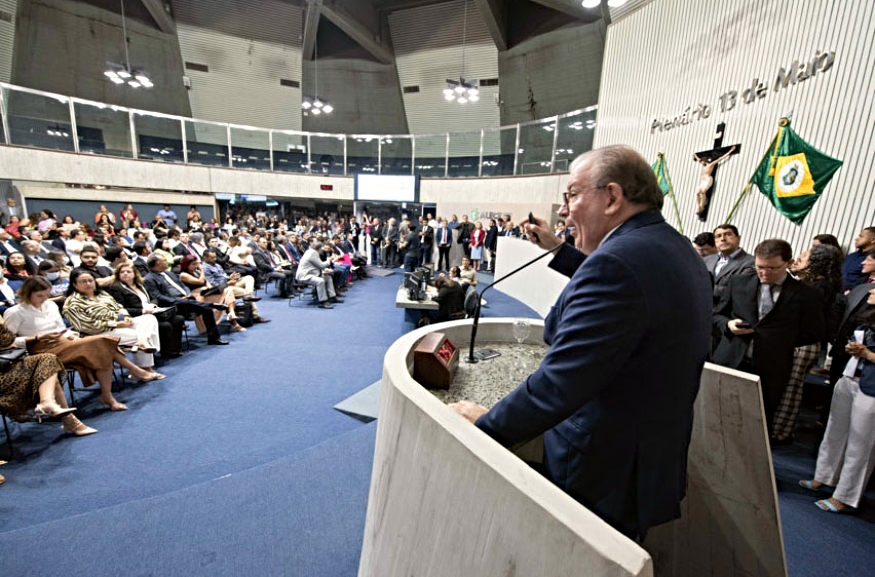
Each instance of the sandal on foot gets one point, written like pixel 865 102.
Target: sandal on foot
pixel 827 505
pixel 806 484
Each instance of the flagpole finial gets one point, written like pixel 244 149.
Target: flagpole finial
pixel 784 122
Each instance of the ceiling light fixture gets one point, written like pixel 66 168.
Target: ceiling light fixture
pixel 462 90
pixel 123 73
pixel 313 104
pixel 591 3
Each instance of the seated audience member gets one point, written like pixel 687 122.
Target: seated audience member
pixel 197 244
pixel 450 298
pixel 46 220
pixel 162 249
pixel 166 289
pixel 729 260
pixel 60 259
pixel 75 244
pixel 312 270
pixel 141 250
pixel 89 257
pixel 128 217
pixel 32 252
pixel 14 226
pixel 34 382
pixel 821 268
pixel 115 256
pixel 8 298
pixel 130 292
pixel 17 269
pixel 851 272
pixel 847 452
pixel 39 326
pixel 243 286
pixel 50 271
pixel 192 276
pixel 340 264
pixel 268 269
pixel 705 244
pixel 777 313
pixel 92 311
pixel 7 246
pixel 467 273
pixel 240 258
pixel 183 247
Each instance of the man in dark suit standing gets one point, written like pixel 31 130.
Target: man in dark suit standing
pixel 628 340
pixel 729 260
pixel 762 316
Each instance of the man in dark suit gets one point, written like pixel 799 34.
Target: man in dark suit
pixel 464 238
pixel 444 237
pixel 762 316
pixel 142 250
pixel 628 340
pixel 729 260
pixel 270 270
pixel 166 289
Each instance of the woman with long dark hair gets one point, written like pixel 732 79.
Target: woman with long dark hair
pixel 847 453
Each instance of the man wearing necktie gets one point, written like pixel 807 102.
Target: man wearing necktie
pixel 167 290
pixel 762 316
pixel 445 242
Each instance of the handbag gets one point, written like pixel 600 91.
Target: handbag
pixel 8 357
pixel 213 290
pixel 165 314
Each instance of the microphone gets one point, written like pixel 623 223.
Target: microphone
pixel 471 358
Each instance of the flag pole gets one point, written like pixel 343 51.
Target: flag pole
pixel 674 201
pixel 744 192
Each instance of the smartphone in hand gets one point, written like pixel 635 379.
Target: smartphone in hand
pixel 743 325
pixel 532 220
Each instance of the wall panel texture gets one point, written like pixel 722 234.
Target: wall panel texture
pixel 248 48
pixel 673 57
pixel 428 50
pixel 8 9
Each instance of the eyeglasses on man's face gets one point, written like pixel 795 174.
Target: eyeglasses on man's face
pixel 567 197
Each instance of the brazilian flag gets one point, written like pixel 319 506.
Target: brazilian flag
pixel 793 174
pixel 661 174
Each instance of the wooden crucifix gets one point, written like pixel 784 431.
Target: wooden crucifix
pixel 710 159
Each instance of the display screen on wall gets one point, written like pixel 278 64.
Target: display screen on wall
pixel 387 188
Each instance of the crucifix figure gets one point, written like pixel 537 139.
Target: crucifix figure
pixel 710 159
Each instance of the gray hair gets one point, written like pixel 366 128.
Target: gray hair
pixel 197 237
pixel 625 167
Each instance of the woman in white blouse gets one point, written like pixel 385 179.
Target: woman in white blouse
pixel 40 328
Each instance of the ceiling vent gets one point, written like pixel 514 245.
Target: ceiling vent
pixel 197 67
pixel 290 83
pixel 411 89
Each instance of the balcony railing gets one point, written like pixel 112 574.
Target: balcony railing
pixel 55 122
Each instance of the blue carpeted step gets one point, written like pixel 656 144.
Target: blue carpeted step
pixel 300 515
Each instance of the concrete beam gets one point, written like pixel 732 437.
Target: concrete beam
pixel 494 14
pixel 311 27
pixel 358 32
pixel 570 7
pixel 160 15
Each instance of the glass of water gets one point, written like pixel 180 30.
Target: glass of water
pixel 521 333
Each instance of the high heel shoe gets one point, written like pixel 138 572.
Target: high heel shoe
pixel 114 405
pixel 42 412
pixel 76 427
pixel 143 349
pixel 235 328
pixel 153 376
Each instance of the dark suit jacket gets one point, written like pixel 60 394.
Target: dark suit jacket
pixel 161 291
pixel 615 392
pixel 127 298
pixel 741 263
pixel 795 320
pixel 141 266
pixel 855 303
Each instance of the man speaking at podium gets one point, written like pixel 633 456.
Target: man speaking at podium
pixel 628 338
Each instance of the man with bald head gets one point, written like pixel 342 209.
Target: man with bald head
pixel 628 339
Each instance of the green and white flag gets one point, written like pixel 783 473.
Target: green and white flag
pixel 793 174
pixel 660 169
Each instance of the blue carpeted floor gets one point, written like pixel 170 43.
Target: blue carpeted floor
pixel 237 464
pixel 206 438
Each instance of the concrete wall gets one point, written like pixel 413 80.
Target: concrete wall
pixel 63 47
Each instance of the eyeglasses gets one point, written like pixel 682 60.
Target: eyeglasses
pixel 567 197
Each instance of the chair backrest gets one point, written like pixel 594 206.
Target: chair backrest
pixel 471 298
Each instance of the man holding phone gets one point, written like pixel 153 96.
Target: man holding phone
pixel 762 316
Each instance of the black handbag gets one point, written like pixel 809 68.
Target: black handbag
pixel 8 357
pixel 165 314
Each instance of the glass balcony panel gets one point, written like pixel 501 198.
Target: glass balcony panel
pixel 289 151
pixel 536 147
pixel 498 152
pixel 464 154
pixel 250 148
pixel 396 155
pixel 38 120
pixel 431 155
pixel 326 155
pixel 362 152
pixel 576 132
pixel 103 129
pixel 158 138
pixel 207 143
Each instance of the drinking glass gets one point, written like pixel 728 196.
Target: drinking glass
pixel 521 333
